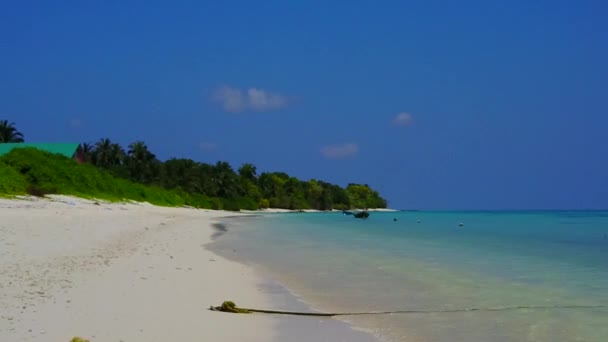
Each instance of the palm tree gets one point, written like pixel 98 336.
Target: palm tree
pixel 108 154
pixel 225 179
pixel 206 177
pixel 9 134
pixel 248 171
pixel 248 181
pixel 138 151
pixel 87 152
pixel 140 163
pixel 183 173
pixel 103 152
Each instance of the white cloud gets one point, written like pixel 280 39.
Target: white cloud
pixel 261 100
pixel 235 100
pixel 231 99
pixel 340 151
pixel 207 146
pixel 403 119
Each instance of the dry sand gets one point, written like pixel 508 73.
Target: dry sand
pixel 119 272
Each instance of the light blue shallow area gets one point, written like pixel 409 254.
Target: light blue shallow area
pixel 429 261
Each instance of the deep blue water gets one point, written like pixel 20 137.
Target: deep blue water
pixel 428 261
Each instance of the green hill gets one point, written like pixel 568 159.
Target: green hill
pixel 175 182
pixel 11 182
pixel 28 170
pixel 106 170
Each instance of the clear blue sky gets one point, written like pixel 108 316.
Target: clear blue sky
pixel 438 104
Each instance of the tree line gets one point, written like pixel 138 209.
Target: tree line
pixel 242 187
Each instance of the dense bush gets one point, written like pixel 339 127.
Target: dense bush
pixel 11 182
pixel 44 173
pixel 223 187
pixel 111 173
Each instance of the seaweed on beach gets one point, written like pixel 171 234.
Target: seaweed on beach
pixel 78 339
pixel 230 306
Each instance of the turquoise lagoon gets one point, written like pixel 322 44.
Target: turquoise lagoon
pixel 428 261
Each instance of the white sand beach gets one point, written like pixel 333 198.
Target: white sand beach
pixel 119 272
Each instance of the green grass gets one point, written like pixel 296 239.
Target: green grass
pixel 11 182
pixel 35 172
pixel 28 170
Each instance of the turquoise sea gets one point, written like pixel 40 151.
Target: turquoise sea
pixel 428 261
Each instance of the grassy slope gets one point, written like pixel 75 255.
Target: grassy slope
pixel 11 182
pixel 30 170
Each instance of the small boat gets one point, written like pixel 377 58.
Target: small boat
pixel 361 215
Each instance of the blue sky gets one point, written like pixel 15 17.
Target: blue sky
pixel 439 105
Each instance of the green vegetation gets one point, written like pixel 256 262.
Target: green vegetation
pixel 230 306
pixel 40 173
pixel 78 339
pixel 8 133
pixel 11 182
pixel 362 196
pixel 109 172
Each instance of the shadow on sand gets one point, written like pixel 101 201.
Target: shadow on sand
pixel 220 229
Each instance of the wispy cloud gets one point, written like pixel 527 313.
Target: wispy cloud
pixel 231 99
pixel 340 151
pixel 262 100
pixel 403 119
pixel 235 100
pixel 207 146
pixel 75 123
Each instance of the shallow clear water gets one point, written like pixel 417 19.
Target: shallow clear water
pixel 427 261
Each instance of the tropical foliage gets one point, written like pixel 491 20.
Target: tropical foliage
pixel 38 173
pixel 216 186
pixel 11 181
pixel 8 133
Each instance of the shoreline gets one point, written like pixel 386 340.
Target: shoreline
pixel 280 210
pixel 286 299
pixel 133 272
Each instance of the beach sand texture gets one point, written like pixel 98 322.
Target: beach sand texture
pixel 119 272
